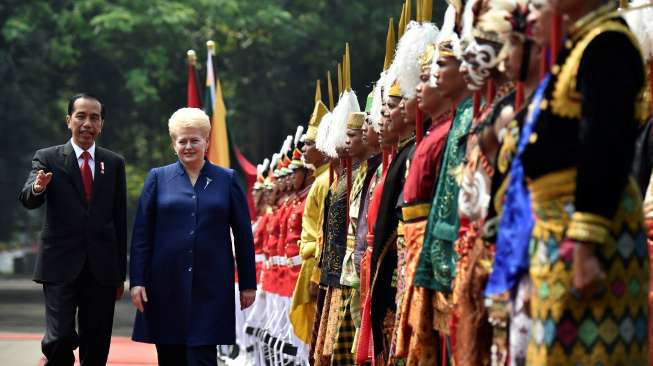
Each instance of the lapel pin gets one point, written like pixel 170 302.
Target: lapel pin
pixel 101 167
pixel 208 180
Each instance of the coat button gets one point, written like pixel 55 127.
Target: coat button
pixel 444 270
pixel 192 214
pixel 193 197
pixel 190 269
pixel 192 232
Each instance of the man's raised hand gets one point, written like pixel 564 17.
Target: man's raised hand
pixel 41 181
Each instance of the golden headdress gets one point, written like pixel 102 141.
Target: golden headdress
pixel 395 90
pixel 356 120
pixel 426 58
pixel 319 110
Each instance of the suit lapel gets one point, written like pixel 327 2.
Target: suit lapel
pixel 98 178
pixel 72 169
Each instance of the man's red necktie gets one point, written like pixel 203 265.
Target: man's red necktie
pixel 87 176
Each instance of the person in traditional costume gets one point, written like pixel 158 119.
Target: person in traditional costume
pixel 335 348
pixel 265 311
pixel 588 255
pixel 303 306
pixel 370 139
pixel 437 262
pixel 482 68
pixel 326 316
pixel 381 304
pixel 255 324
pixel 322 301
pixel 384 255
pixel 349 314
pixel 388 257
pixel 640 23
pixel 359 205
pixel 420 35
pixel 416 336
pixel 279 324
pixel 387 140
pixel 364 347
pixel 507 299
pixel 289 346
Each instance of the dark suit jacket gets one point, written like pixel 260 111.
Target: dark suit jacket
pixel 75 231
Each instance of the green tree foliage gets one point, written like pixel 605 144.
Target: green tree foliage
pixel 131 53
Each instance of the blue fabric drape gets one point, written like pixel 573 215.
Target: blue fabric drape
pixel 516 223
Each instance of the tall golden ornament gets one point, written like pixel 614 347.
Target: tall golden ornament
pixel 339 79
pixel 389 45
pixel 330 90
pixel 427 11
pixel 318 91
pixel 402 22
pixel 347 68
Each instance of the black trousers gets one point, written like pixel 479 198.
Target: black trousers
pixel 182 355
pixel 93 304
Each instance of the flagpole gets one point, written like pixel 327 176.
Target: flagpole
pixel 192 94
pixel 210 73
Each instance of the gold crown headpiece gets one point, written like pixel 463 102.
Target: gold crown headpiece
pixel 356 120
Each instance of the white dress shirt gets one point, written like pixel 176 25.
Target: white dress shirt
pixel 80 160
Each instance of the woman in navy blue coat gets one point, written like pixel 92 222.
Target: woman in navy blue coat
pixel 182 263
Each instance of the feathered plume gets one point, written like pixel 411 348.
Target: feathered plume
pixel 259 169
pixel 265 165
pixel 286 145
pixel 275 160
pixel 447 32
pixel 468 21
pixel 377 102
pixel 640 22
pixel 298 134
pixel 337 136
pixel 323 133
pixel 410 48
pixel 448 24
pixel 389 79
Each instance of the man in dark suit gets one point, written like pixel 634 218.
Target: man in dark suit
pixel 82 261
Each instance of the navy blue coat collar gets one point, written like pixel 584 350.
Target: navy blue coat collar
pixel 207 169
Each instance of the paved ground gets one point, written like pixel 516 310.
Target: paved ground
pixel 18 350
pixel 22 309
pixel 22 322
pixel 23 349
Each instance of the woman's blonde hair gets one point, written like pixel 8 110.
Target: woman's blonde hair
pixel 189 118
